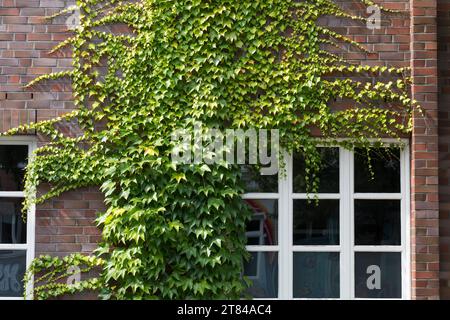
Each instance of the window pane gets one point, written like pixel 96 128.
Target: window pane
pixel 377 222
pixel 13 160
pixel 316 224
pixel 385 167
pixel 316 275
pixel 255 182
pixel 12 271
pixel 329 173
pixel 263 228
pixel 12 227
pixel 378 275
pixel 262 269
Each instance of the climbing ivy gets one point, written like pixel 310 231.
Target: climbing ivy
pixel 178 230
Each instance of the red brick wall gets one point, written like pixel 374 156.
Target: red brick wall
pixel 443 11
pixel 424 165
pixel 64 225
pixel 25 40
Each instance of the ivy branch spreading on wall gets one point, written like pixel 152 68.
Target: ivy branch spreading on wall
pixel 178 231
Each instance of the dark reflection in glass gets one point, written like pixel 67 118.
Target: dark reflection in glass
pixel 262 269
pixel 12 271
pixel 328 175
pixel 385 167
pixel 377 222
pixel 255 182
pixel 316 275
pixel 263 228
pixel 378 275
pixel 13 160
pixel 12 226
pixel 316 224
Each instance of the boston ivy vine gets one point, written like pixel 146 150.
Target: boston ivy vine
pixel 178 231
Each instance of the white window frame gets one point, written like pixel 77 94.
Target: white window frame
pixel 346 247
pixel 29 246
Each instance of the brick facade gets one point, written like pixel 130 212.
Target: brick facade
pixel 65 224
pixel 443 23
pixel 424 157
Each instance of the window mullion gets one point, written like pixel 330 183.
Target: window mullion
pixel 345 169
pixel 351 222
pixel 285 276
pixel 405 222
pixel 31 217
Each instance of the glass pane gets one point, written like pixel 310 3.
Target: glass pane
pixel 12 227
pixel 378 275
pixel 329 173
pixel 316 224
pixel 377 222
pixel 263 228
pixel 255 182
pixel 13 160
pixel 262 270
pixel 316 275
pixel 385 167
pixel 12 271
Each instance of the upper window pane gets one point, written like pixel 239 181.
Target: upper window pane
pixel 262 229
pixel 255 182
pixel 13 160
pixel 377 222
pixel 328 175
pixel 12 227
pixel 316 224
pixel 12 271
pixel 385 167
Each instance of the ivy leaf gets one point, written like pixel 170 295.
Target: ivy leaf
pixel 216 203
pixel 178 177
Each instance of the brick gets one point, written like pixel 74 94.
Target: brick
pixel 68 247
pixel 91 231
pixel 9 11
pixel 64 239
